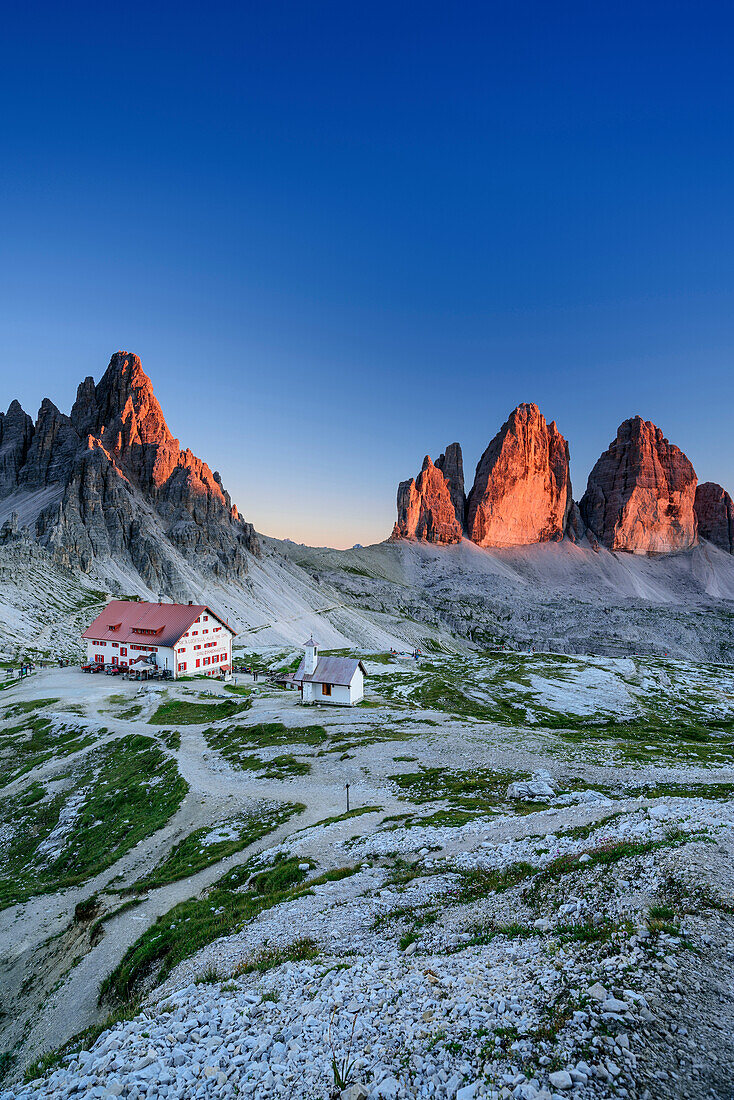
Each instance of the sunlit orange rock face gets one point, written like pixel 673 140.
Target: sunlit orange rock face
pixel 640 495
pixel 123 413
pixel 426 509
pixel 522 488
pixel 715 515
pixel 120 486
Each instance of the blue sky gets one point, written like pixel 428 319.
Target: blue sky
pixel 343 235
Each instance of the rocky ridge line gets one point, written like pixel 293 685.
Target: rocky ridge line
pixel 641 495
pixel 120 486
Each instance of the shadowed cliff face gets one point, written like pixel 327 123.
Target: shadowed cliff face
pixel 715 515
pixel 640 494
pixel 451 464
pixel 16 434
pixel 123 486
pixel 522 488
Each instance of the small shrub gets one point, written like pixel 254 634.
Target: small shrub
pixel 298 951
pixel 86 909
pixel 208 977
pixel 342 1064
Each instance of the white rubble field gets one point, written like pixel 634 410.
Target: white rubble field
pixel 447 1017
pixel 691 815
pixel 52 846
pixel 589 690
pixel 276 1035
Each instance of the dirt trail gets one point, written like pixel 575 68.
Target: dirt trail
pixel 49 973
pixel 57 997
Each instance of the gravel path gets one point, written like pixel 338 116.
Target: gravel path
pixel 428 992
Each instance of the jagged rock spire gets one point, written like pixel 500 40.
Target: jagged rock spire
pixel 640 495
pixel 123 487
pixel 522 488
pixel 426 509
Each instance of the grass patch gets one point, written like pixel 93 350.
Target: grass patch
pixel 479 883
pixel 336 874
pixel 184 712
pixel 715 792
pixel 481 935
pixel 130 713
pixel 356 812
pixel 27 706
pixel 298 951
pixel 372 735
pixel 236 744
pixel 476 793
pixel 32 742
pixel 437 692
pixel 606 855
pixel 201 849
pixel 586 933
pixel 232 901
pixel 171 739
pixel 239 689
pixel 642 740
pixel 124 707
pixel 123 793
pixel 285 767
pixel 582 832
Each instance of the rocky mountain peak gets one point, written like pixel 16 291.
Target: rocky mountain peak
pixel 15 411
pixel 640 495
pixel 52 451
pixel 451 465
pixel 522 486
pixel 425 507
pixel 16 433
pixel 715 515
pixel 123 487
pixel 122 409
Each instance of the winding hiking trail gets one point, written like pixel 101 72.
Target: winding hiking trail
pixel 63 998
pixel 51 969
